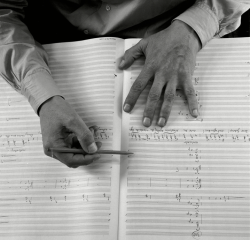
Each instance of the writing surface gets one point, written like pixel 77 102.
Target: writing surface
pixel 40 198
pixel 190 179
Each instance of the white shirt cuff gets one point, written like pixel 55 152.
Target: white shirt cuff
pixel 39 87
pixel 202 20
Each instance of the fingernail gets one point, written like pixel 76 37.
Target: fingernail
pixel 195 112
pixel 122 64
pixel 126 107
pixel 92 148
pixel 161 122
pixel 146 122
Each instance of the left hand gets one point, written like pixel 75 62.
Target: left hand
pixel 170 61
pixel 62 127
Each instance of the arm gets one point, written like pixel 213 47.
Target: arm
pixel 214 18
pixel 171 54
pixel 23 62
pixel 24 65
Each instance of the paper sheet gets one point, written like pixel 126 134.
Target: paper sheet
pixel 40 198
pixel 190 179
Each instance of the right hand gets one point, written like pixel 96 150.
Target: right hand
pixel 170 61
pixel 62 127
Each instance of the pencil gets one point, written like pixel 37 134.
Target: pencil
pixel 74 150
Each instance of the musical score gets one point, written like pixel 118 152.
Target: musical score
pixel 104 198
pixel 190 179
pixel 207 188
pixel 187 180
pixel 189 135
pixel 22 142
pixel 55 184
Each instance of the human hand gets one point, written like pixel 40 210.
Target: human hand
pixel 62 127
pixel 170 61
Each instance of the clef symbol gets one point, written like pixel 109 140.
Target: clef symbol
pixel 196 234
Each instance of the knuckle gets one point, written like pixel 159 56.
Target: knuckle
pixel 190 92
pixel 142 44
pixel 153 95
pixel 71 165
pixel 71 120
pixel 180 50
pixel 127 52
pixel 182 70
pixel 151 65
pixel 180 60
pixel 169 96
pixel 137 86
pixel 86 134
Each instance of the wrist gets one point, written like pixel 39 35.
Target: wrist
pixel 46 104
pixel 188 34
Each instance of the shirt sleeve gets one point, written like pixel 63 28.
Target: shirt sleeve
pixel 23 62
pixel 214 18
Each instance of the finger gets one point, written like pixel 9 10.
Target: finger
pixel 189 92
pixel 68 140
pixel 50 153
pixel 84 135
pixel 76 160
pixel 75 144
pixel 94 130
pixel 132 54
pixel 138 86
pixel 99 145
pixel 167 104
pixel 70 159
pixel 152 100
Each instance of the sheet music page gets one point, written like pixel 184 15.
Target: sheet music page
pixel 191 179
pixel 40 198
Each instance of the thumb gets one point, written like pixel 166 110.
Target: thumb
pixel 85 137
pixel 132 54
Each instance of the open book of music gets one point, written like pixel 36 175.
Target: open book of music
pixel 188 180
